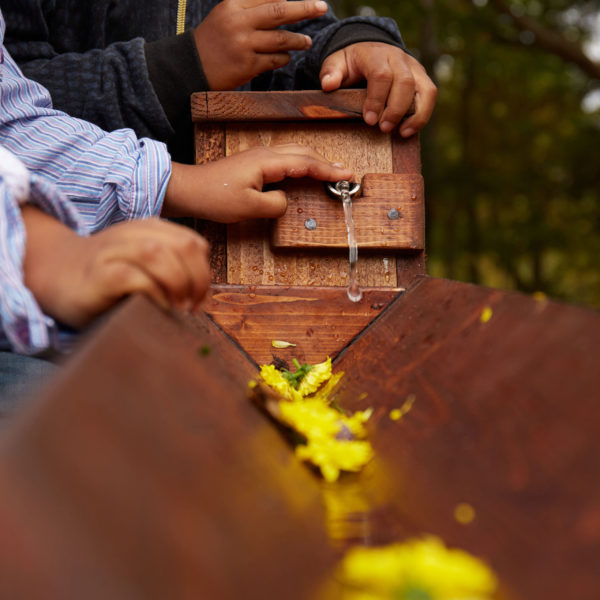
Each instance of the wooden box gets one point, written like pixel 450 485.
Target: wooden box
pixel 280 279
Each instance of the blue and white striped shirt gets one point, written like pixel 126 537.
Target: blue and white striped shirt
pixel 80 174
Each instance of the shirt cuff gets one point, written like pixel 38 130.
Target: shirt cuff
pixel 353 33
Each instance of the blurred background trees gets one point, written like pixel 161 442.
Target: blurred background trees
pixel 511 158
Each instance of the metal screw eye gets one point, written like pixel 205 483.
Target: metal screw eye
pixel 342 189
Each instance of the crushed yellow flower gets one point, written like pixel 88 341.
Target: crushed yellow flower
pixel 486 314
pixel 315 419
pixel 333 456
pixel 271 376
pixel 334 441
pixel 464 513
pixel 423 566
pixel 326 390
pixel 319 374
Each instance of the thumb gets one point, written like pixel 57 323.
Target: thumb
pixel 271 204
pixel 333 71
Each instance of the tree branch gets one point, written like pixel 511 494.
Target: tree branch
pixel 551 41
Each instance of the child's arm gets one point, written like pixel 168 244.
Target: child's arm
pixel 231 189
pixel 238 41
pixel 76 278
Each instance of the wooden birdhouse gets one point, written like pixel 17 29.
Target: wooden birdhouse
pixel 286 279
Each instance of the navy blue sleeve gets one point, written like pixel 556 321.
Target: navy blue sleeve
pixel 329 34
pixel 110 87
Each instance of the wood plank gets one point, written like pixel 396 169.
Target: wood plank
pixel 251 259
pixel 406 158
pixel 382 196
pixel 278 105
pixel 320 321
pixel 210 145
pixel 406 154
pixel 145 473
pixel 505 418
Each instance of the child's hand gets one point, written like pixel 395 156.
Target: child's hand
pixel 74 278
pixel 394 80
pixel 238 40
pixel 230 189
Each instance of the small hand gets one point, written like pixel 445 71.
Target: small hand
pixel 74 279
pixel 394 79
pixel 239 39
pixel 231 189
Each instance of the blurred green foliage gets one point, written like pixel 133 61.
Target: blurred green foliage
pixel 511 158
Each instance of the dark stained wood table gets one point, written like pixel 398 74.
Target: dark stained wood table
pixel 143 470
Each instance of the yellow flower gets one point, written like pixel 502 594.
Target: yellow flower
pixel 315 377
pixel 315 419
pixel 271 376
pixel 328 388
pixel 332 455
pixel 334 441
pixel 420 564
pixel 311 418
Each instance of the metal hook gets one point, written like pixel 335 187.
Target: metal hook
pixel 342 189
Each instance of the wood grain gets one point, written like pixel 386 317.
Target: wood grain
pixel 210 146
pixel 332 124
pixel 145 473
pixel 506 418
pixel 277 106
pixel 321 322
pixel 251 259
pixel 379 194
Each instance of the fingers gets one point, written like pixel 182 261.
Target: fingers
pixel 269 205
pixel 279 40
pixel 166 261
pixel 268 15
pixel 399 97
pixel 124 279
pixel 394 79
pixel 333 72
pixel 425 97
pixel 298 161
pixel 380 82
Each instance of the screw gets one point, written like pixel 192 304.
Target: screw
pixel 393 214
pixel 310 224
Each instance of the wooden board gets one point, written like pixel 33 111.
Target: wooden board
pixel 506 418
pixel 321 322
pixel 388 212
pixel 277 106
pixel 144 472
pixel 249 249
pixel 339 134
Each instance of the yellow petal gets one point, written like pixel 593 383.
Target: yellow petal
pixel 486 314
pixel 319 374
pixel 282 344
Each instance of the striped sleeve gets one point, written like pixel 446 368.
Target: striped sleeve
pixel 110 177
pixel 24 327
